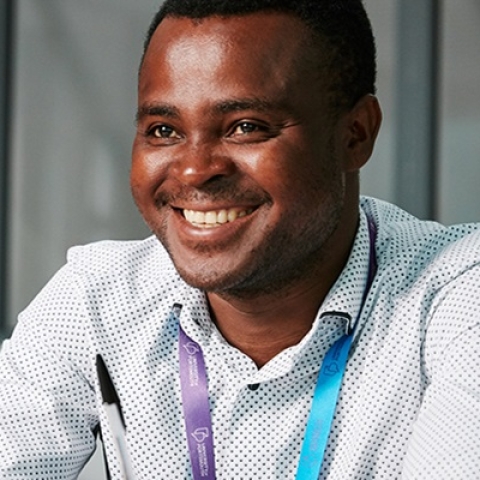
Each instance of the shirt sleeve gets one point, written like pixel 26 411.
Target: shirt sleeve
pixel 47 402
pixel 445 442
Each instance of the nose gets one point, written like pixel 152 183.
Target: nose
pixel 198 165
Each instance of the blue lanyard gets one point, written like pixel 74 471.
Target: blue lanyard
pixel 328 387
pixel 323 409
pixel 196 407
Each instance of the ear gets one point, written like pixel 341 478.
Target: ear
pixel 361 127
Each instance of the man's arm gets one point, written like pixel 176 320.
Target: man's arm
pixel 47 403
pixel 445 441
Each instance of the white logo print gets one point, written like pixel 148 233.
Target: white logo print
pixel 191 348
pixel 200 434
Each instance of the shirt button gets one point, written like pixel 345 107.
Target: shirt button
pixel 253 386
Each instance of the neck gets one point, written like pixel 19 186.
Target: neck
pixel 263 326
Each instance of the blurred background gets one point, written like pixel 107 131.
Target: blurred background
pixel 67 106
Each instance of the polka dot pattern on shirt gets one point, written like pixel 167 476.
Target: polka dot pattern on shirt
pixel 408 408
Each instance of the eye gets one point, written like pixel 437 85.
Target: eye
pixel 244 128
pixel 163 131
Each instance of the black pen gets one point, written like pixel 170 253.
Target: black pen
pixel 111 405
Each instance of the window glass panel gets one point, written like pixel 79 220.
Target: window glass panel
pixel 459 139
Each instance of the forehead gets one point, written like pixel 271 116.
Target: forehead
pixel 263 42
pixel 265 27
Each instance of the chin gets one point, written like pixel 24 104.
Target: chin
pixel 205 279
pixel 240 283
pixel 213 277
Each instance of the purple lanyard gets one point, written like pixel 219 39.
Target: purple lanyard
pixel 196 406
pixel 196 403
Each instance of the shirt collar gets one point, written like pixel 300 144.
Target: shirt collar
pixel 345 296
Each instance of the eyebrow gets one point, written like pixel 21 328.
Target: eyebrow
pixel 238 105
pixel 157 109
pixel 223 107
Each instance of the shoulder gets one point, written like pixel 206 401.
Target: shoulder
pixel 105 290
pixel 433 272
pixel 140 259
pixel 107 281
pixel 417 249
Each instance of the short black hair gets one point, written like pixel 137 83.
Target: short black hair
pixel 342 26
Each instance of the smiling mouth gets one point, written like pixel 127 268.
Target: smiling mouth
pixel 215 218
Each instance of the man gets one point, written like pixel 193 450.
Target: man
pixel 254 119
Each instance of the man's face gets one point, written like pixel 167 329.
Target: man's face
pixel 237 166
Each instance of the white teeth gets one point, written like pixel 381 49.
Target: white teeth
pixel 199 217
pixel 232 215
pixel 210 217
pixel 214 218
pixel 222 216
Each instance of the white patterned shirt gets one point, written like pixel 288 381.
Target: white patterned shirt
pixel 409 407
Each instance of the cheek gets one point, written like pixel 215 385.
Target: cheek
pixel 293 173
pixel 146 174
